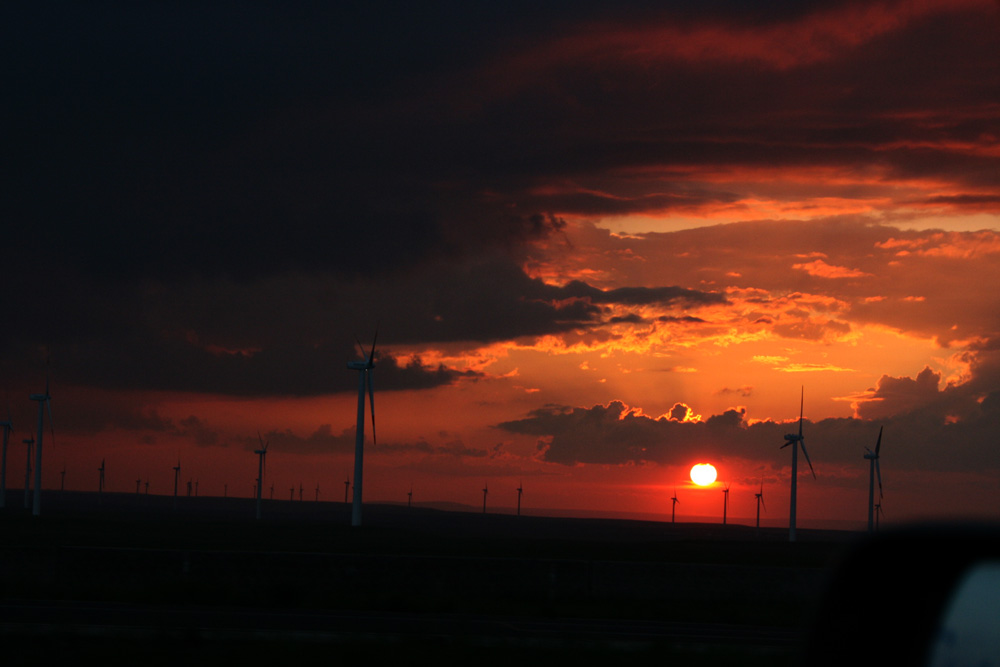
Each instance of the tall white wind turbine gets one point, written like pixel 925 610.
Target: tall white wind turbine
pixel 796 441
pixel 364 369
pixel 261 454
pixel 8 428
pixel 44 401
pixel 873 470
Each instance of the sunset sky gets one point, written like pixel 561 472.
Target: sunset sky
pixel 599 244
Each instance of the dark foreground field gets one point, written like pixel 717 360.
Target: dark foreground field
pixel 134 580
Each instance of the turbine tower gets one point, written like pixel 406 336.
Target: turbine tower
pixel 486 490
pixel 673 507
pixel 44 400
pixel 27 473
pixel 364 369
pixel 100 478
pixel 62 478
pixel 261 454
pixel 760 500
pixel 873 470
pixel 8 428
pixel 520 490
pixel 725 504
pixel 796 441
pixel 347 488
pixel 409 498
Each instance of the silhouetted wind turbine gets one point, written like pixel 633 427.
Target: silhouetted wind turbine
pixel 44 401
pixel 520 490
pixel 725 504
pixel 271 497
pixel 62 478
pixel 364 369
pixel 486 490
pixel 27 473
pixel 177 475
pixel 8 428
pixel 138 483
pixel 873 470
pixel 796 441
pixel 100 478
pixel 409 497
pixel 878 511
pixel 261 454
pixel 673 506
pixel 347 488
pixel 291 493
pixel 760 500
pixel 317 491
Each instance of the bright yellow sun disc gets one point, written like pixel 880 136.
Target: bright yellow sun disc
pixel 703 474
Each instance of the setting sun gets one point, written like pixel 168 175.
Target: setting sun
pixel 703 474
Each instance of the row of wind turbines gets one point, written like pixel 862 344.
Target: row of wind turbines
pixel 365 367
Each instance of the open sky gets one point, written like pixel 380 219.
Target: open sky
pixel 600 243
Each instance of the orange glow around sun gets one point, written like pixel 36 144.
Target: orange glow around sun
pixel 703 474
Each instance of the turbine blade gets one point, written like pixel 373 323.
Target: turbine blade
pixel 371 356
pixel 878 444
pixel 878 473
pixel 371 400
pixel 802 403
pixel 802 442
pixel 48 404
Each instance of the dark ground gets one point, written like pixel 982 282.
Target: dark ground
pixel 123 576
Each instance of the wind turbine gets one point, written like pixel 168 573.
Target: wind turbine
pixel 673 506
pixel 364 369
pixel 138 483
pixel 878 511
pixel 486 490
pixel 873 470
pixel 100 478
pixel 8 428
pixel 62 478
pixel 796 441
pixel 760 500
pixel 44 400
pixel 725 504
pixel 27 473
pixel 177 474
pixel 261 454
pixel 347 488
pixel 409 498
pixel 520 490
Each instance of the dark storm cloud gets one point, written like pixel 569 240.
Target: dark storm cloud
pixel 615 434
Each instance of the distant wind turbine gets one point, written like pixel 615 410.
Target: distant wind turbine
pixel 301 489
pixel 8 428
pixel 878 511
pixel 409 497
pixel 486 490
pixel 100 478
pixel 261 455
pixel 291 493
pixel 364 369
pixel 44 401
pixel 147 486
pixel 138 483
pixel 347 488
pixel 873 470
pixel 520 490
pixel 796 441
pixel 62 478
pixel 725 504
pixel 317 491
pixel 673 506
pixel 760 500
pixel 177 474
